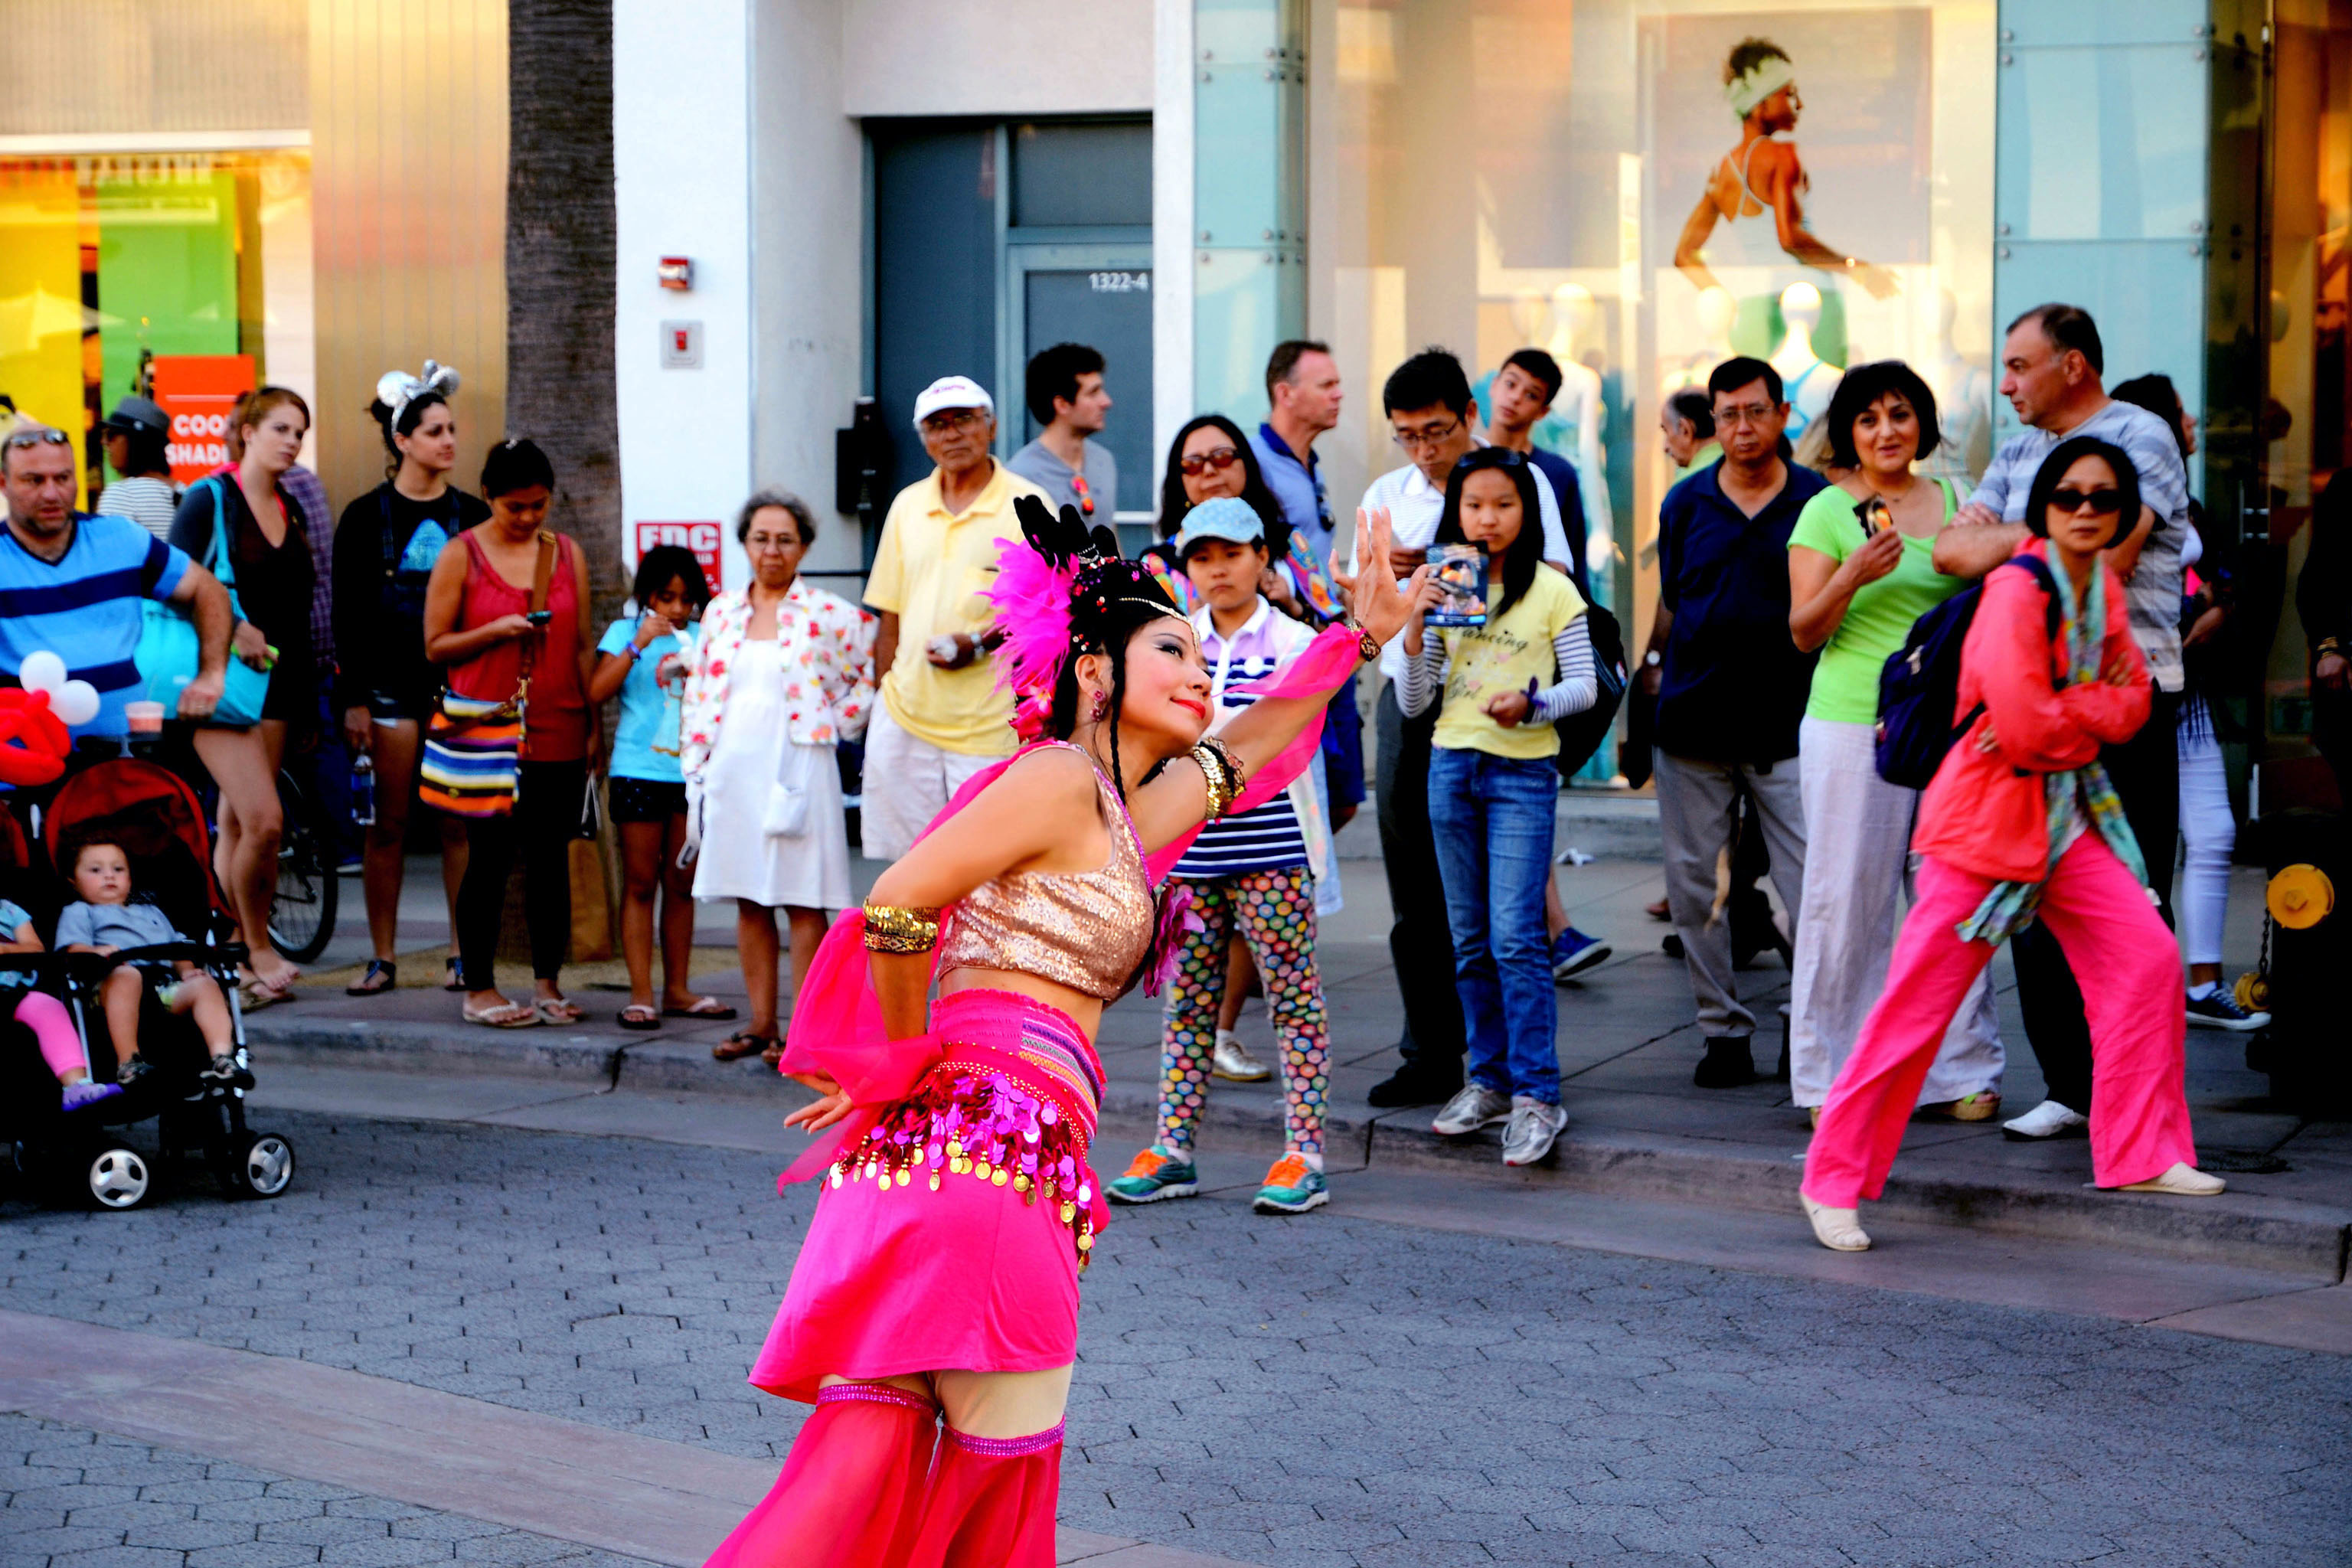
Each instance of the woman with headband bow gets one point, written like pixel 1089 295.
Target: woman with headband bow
pixel 932 1313
pixel 1763 175
pixel 384 550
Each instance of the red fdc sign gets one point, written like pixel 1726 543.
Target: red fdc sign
pixel 702 538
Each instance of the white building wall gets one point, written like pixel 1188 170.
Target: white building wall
pixel 996 56
pixel 682 162
pixel 808 195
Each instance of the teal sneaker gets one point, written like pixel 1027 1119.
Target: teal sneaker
pixel 1292 1186
pixel 1153 1175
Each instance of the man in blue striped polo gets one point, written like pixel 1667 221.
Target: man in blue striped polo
pixel 71 583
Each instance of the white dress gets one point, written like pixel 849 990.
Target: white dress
pixel 739 859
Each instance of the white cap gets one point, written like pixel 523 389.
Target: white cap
pixel 951 392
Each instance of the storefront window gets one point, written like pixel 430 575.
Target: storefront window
pixel 181 277
pixel 1488 174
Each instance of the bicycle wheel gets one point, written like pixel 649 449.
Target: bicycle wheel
pixel 303 914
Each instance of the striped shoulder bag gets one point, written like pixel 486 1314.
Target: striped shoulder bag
pixel 473 747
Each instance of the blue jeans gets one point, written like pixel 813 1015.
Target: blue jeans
pixel 1492 818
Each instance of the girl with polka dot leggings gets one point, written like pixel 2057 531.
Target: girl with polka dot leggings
pixel 1275 913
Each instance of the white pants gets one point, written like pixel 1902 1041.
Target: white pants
pixel 2209 832
pixel 1857 847
pixel 908 783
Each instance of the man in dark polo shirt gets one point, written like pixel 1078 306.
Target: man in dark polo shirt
pixel 1732 688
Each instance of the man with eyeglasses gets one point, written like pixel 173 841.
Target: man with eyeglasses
pixel 1065 395
pixel 942 717
pixel 1434 420
pixel 2052 364
pixel 1731 689
pixel 71 583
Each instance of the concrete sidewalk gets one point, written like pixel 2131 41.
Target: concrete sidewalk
pixel 1637 1128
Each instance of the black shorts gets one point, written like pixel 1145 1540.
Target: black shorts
pixel 644 800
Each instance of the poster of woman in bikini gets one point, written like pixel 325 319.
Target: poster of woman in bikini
pixel 1756 194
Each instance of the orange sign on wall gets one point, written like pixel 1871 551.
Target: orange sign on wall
pixel 199 393
pixel 702 538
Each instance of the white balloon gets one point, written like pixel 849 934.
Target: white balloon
pixel 42 672
pixel 74 702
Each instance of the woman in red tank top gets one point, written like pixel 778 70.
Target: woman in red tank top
pixel 477 622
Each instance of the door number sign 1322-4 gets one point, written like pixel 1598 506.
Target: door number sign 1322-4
pixel 1120 282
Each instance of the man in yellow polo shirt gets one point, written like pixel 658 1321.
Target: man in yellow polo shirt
pixel 942 717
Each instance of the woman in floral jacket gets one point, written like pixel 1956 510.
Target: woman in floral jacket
pixel 781 674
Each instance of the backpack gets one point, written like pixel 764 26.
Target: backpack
pixel 1920 685
pixel 1580 735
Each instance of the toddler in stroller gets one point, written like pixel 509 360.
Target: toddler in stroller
pixel 105 921
pixel 45 1015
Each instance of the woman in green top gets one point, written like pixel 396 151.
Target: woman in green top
pixel 1860 570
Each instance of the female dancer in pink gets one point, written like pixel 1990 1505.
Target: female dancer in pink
pixel 2021 824
pixel 932 1313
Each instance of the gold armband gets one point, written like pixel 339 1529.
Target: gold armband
pixel 1222 772
pixel 890 929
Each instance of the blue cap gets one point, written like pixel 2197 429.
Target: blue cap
pixel 1224 517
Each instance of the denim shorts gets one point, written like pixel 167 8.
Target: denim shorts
pixel 644 800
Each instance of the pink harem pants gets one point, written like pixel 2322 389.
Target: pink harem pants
pixel 2129 967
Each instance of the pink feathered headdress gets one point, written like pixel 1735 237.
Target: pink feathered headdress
pixel 1054 589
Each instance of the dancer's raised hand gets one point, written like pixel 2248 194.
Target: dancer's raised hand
pixel 1381 607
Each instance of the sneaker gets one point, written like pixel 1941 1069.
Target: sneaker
pixel 2047 1120
pixel 1477 1106
pixel 1981 1106
pixel 2218 1009
pixel 1414 1083
pixel 1574 953
pixel 1232 1060
pixel 222 1073
pixel 1152 1176
pixel 1535 1127
pixel 1728 1063
pixel 1292 1186
pixel 88 1092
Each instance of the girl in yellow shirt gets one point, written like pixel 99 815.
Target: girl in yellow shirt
pixel 1493 789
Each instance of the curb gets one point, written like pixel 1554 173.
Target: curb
pixel 2249 1229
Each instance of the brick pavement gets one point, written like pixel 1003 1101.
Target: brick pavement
pixel 1324 1391
pixel 72 1499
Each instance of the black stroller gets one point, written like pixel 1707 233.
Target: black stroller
pixel 160 824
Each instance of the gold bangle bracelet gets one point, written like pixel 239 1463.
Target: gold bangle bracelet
pixel 1223 774
pixel 890 929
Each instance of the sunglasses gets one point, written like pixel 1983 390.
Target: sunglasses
pixel 44 437
pixel 2101 503
pixel 1217 458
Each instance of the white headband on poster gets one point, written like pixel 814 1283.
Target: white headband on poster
pixel 397 389
pixel 1759 82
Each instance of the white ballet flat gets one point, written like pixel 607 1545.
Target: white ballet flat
pixel 2183 1181
pixel 1839 1230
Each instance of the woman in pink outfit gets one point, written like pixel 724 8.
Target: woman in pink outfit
pixel 2021 824
pixel 932 1314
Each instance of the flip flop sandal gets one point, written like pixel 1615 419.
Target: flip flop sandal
pixel 637 1015
pixel 701 1007
pixel 258 995
pixel 741 1044
pixel 775 1055
pixel 365 986
pixel 505 1015
pixel 450 981
pixel 560 1010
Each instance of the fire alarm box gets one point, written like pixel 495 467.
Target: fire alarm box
pixel 676 272
pixel 681 345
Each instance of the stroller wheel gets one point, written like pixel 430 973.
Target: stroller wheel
pixel 263 1167
pixel 119 1179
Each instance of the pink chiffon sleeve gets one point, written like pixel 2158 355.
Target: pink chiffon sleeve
pixel 1328 660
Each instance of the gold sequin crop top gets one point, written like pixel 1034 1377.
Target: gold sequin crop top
pixel 1085 930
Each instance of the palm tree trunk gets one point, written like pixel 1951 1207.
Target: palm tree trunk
pixel 560 237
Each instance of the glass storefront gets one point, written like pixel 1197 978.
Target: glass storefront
pixel 183 276
pixel 1586 177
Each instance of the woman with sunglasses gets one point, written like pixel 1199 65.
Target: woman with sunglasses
pixel 2020 823
pixel 1860 571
